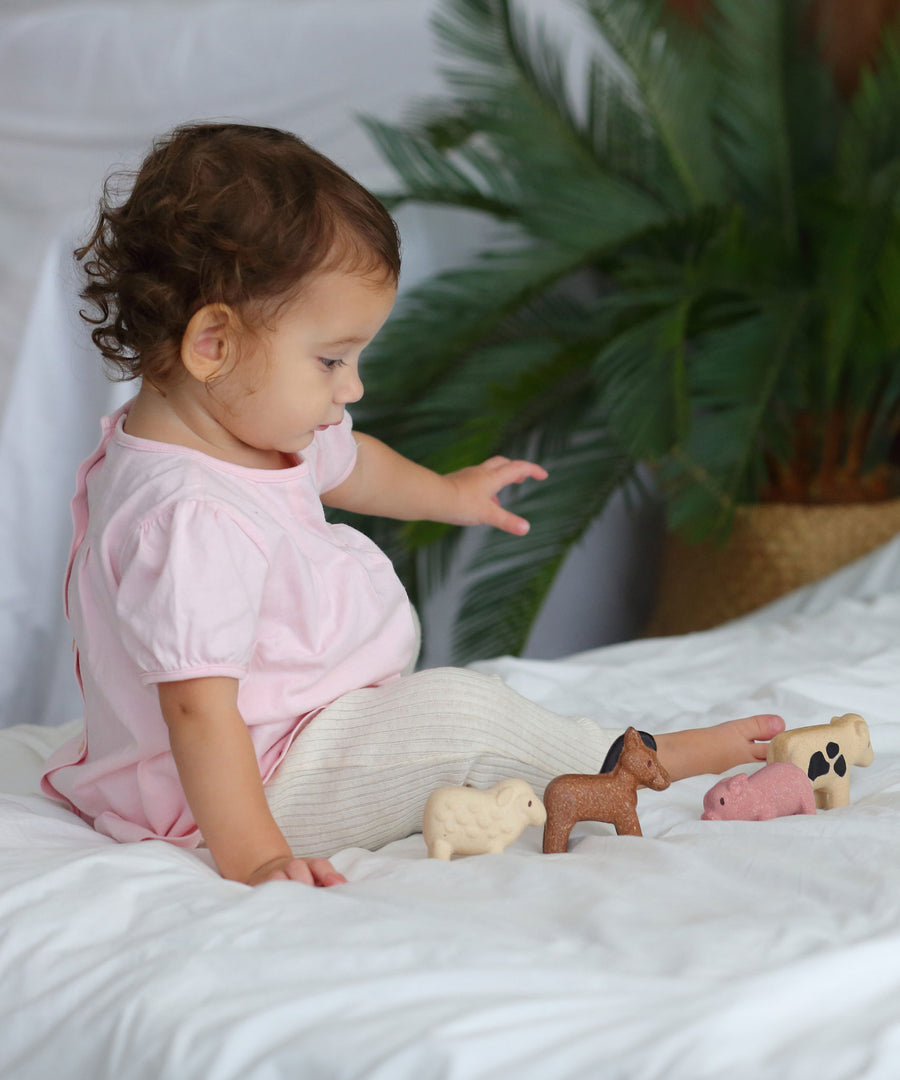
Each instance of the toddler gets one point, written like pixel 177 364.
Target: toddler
pixel 244 663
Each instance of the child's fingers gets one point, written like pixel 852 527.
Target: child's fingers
pixel 306 872
pixel 295 870
pixel 507 521
pixel 323 873
pixel 480 482
pixel 313 872
pixel 514 472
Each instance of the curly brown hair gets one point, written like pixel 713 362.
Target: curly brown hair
pixel 220 213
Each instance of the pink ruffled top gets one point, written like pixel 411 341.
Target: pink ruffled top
pixel 184 566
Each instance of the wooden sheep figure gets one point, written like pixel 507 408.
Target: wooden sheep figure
pixel 609 797
pixel 468 821
pixel 825 753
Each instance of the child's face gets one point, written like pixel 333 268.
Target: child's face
pixel 299 375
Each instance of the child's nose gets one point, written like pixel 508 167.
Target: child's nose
pixel 351 387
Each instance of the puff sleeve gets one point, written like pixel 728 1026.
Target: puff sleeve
pixel 335 455
pixel 191 581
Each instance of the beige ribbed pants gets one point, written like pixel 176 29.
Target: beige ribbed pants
pixel 359 773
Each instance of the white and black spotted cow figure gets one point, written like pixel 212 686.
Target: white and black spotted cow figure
pixel 825 752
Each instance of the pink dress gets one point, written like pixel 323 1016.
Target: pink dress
pixel 184 566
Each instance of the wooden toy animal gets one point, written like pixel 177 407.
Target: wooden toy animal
pixel 610 797
pixel 776 790
pixel 615 749
pixel 469 821
pixel 825 752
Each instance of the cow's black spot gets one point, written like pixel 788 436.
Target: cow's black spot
pixel 818 766
pixel 840 766
pixel 832 749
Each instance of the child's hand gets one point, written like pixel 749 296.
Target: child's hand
pixel 307 871
pixel 477 488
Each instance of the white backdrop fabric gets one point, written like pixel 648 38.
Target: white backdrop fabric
pixel 84 86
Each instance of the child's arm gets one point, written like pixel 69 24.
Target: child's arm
pixel 387 484
pixel 219 772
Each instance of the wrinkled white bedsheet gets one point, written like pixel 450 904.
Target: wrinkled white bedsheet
pixel 726 949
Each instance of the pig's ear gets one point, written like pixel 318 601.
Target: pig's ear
pixel 739 782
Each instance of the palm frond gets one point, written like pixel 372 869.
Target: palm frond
pixel 734 374
pixel 598 211
pixel 642 375
pixel 468 304
pixel 674 79
pixel 464 177
pixel 471 305
pixel 511 575
pixel 857 248
pixel 547 388
pixel 690 261
pixel 868 156
pixel 624 139
pixel 512 80
pixel 884 410
pixel 755 45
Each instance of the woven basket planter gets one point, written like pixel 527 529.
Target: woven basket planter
pixel 773 548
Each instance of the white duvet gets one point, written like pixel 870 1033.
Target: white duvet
pixel 703 949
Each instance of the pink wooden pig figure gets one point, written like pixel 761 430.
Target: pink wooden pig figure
pixel 776 790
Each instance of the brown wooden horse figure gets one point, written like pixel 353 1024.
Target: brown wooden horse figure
pixel 609 797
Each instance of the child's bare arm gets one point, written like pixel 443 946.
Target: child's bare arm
pixel 219 772
pixel 389 485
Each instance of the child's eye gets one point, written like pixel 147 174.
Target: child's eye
pixel 332 361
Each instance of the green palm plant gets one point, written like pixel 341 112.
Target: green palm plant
pixel 692 263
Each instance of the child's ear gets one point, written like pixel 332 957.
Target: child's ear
pixel 208 343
